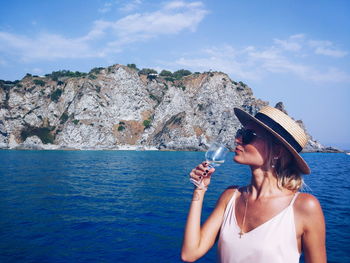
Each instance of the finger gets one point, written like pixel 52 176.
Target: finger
pixel 195 176
pixel 196 171
pixel 206 170
pixel 206 175
pixel 200 173
pixel 200 167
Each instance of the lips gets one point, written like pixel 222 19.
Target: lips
pixel 238 149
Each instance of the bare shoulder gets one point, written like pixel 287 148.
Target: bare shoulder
pixel 309 213
pixel 311 228
pixel 227 195
pixel 307 204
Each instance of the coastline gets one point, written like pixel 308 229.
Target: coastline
pixel 54 147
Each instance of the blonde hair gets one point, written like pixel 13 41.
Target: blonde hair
pixel 288 174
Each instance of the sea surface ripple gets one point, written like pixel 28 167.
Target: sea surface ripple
pixel 130 206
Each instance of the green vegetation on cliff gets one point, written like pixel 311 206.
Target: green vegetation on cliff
pixel 55 75
pixel 55 95
pixel 44 133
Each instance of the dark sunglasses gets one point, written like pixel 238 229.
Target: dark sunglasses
pixel 247 136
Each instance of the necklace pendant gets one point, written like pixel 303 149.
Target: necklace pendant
pixel 240 234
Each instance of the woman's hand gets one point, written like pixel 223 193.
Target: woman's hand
pixel 200 176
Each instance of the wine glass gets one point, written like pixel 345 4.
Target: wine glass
pixel 216 154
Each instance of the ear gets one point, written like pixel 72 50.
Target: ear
pixel 278 150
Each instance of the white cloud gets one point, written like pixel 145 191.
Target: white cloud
pixel 125 6
pixel 296 43
pixel 226 59
pixel 267 54
pixel 106 8
pixel 98 30
pixel 293 43
pixel 182 4
pixel 330 52
pixel 130 6
pixel 331 75
pixel 45 46
pixel 326 48
pixel 172 18
pixel 274 60
pixel 288 45
pixel 256 63
pixel 297 36
pixel 174 4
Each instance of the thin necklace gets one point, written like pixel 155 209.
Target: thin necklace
pixel 241 233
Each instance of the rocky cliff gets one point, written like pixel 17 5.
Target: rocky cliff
pixel 119 108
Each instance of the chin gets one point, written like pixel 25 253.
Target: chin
pixel 237 159
pixel 241 160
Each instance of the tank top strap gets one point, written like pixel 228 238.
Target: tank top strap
pixel 233 198
pixel 229 210
pixel 294 198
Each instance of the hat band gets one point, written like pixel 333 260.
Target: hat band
pixel 279 129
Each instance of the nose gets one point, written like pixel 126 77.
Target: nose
pixel 238 140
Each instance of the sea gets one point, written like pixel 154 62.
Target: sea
pixel 131 206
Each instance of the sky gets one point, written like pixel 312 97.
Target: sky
pixel 293 51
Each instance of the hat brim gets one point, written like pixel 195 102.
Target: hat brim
pixel 245 117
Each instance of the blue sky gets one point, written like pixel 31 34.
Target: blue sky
pixel 296 51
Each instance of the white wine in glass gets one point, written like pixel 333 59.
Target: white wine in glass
pixel 216 154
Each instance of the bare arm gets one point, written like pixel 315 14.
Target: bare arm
pixel 199 239
pixel 313 237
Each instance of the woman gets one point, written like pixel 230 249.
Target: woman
pixel 267 220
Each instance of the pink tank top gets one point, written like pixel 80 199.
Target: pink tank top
pixel 272 242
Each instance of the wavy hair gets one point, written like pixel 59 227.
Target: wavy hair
pixel 288 174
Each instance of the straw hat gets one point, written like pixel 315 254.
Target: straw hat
pixel 284 128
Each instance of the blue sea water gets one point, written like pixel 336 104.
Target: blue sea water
pixel 129 206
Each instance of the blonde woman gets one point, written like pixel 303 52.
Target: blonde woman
pixel 268 220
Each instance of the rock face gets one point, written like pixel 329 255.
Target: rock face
pixel 118 108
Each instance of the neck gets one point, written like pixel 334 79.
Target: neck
pixel 263 184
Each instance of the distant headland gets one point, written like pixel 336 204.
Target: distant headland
pixel 122 107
